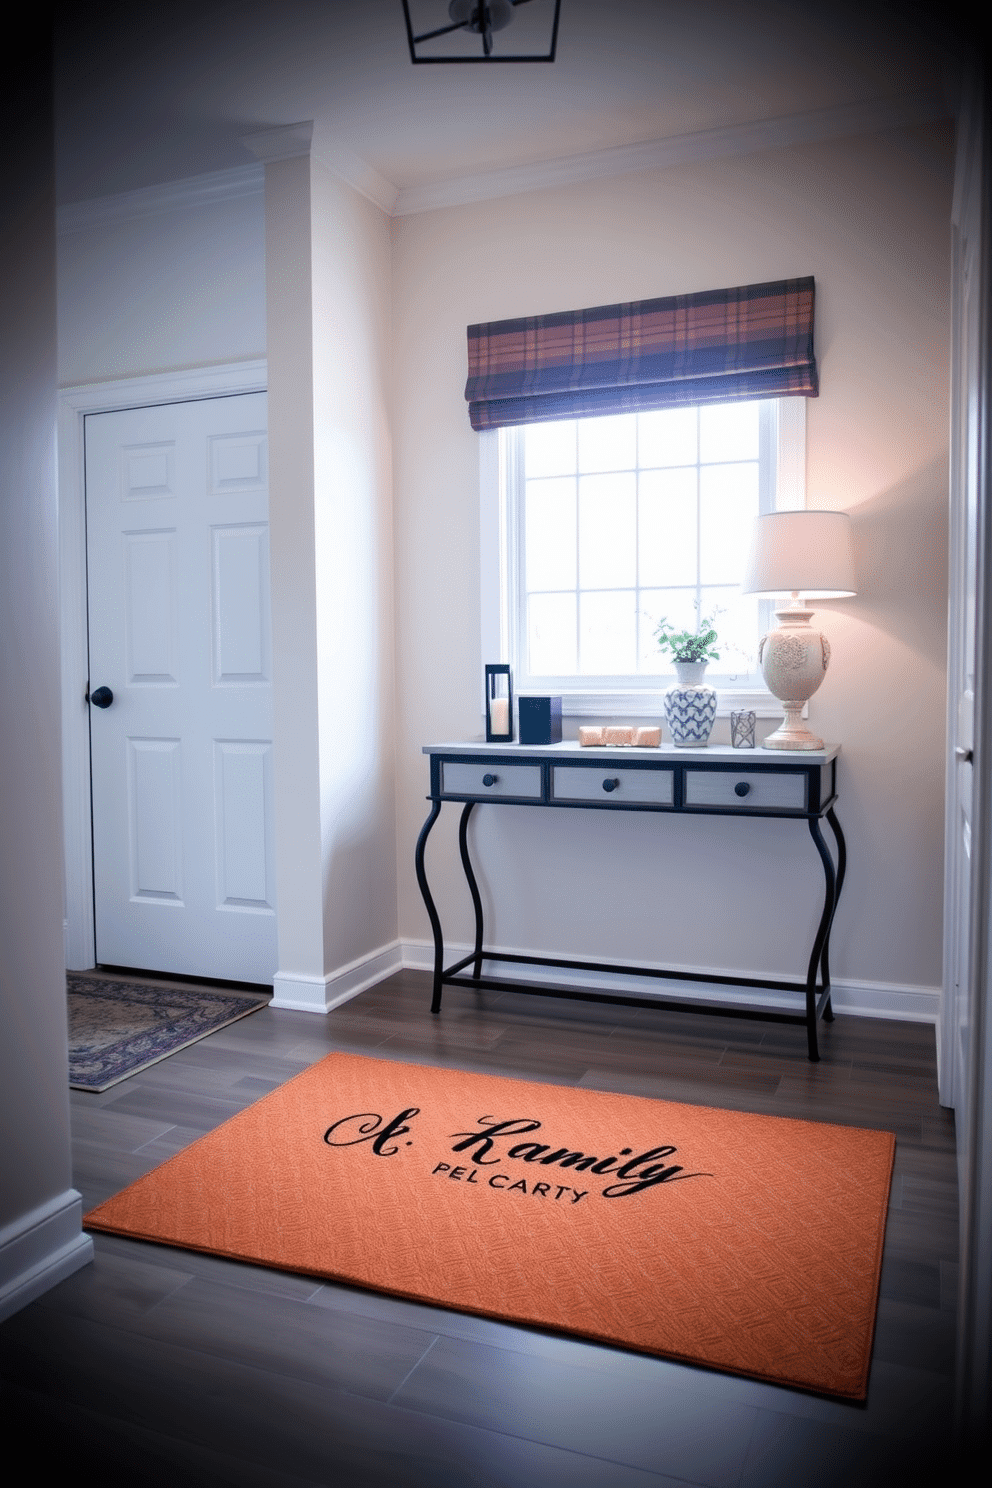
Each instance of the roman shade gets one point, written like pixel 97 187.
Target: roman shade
pixel 755 341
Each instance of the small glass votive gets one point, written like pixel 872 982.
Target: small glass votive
pixel 742 729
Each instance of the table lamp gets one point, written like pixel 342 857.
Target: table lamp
pixel 793 553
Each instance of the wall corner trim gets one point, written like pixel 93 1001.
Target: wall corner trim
pixel 40 1249
pixel 320 994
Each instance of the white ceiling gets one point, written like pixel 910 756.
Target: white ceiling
pixel 167 89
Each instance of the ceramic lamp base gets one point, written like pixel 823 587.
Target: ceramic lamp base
pixel 792 732
pixel 794 659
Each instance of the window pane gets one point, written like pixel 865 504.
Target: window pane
pixel 675 605
pixel 549 449
pixel 667 527
pixel 607 633
pixel 728 431
pixel 736 623
pixel 608 443
pixel 551 634
pixel 550 534
pixel 607 531
pixel 608 547
pixel 667 436
pixel 728 505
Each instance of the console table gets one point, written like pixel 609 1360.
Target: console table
pixel 712 781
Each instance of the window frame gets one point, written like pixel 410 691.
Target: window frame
pixel 783 489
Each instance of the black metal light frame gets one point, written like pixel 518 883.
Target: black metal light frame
pixel 485 35
pixel 493 670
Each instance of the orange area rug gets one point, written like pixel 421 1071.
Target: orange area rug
pixel 751 1244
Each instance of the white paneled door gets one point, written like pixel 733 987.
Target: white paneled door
pixel 179 634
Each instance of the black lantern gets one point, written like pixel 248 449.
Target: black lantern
pixel 499 704
pixel 463 30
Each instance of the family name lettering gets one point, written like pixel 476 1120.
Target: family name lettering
pixel 630 1177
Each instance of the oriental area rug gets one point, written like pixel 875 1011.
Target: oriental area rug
pixel 118 1027
pixel 750 1244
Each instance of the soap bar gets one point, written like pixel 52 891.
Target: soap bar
pixel 648 737
pixel 618 733
pixel 590 734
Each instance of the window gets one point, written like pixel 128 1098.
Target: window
pixel 626 450
pixel 595 528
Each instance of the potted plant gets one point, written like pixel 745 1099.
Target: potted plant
pixel 690 706
pixel 689 648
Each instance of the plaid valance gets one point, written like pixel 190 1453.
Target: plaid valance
pixel 751 342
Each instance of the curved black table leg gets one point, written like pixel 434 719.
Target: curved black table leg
pixel 822 932
pixel 842 869
pixel 828 1011
pixel 429 904
pixel 473 886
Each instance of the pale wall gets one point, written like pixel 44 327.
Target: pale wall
pixel 163 291
pixel 869 219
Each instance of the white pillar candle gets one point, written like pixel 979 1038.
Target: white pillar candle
pixel 499 715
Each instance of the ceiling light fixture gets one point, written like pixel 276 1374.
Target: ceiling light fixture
pixel 469 19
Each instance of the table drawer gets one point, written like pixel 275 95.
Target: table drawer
pixel 489 781
pixel 586 783
pixel 766 790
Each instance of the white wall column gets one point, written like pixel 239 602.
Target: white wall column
pixel 40 1236
pixel 327 289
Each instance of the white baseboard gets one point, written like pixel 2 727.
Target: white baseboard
pixel 887 1000
pixel 860 999
pixel 304 994
pixel 309 994
pixel 40 1249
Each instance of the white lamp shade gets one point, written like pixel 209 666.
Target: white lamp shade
pixel 809 552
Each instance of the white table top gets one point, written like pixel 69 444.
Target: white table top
pixel 571 750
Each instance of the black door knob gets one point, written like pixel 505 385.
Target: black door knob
pixel 742 788
pixel 102 698
pixel 489 779
pixel 610 785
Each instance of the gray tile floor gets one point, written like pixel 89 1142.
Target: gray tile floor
pixel 156 1365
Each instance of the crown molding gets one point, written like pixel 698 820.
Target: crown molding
pixel 169 196
pixel 682 149
pixel 285 142
pixel 292 140
pixel 359 175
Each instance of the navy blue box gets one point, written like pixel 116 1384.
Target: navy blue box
pixel 540 720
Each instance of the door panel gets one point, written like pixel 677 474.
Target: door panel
pixel 179 620
pixel 240 606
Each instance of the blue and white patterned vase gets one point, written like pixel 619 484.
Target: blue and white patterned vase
pixel 690 706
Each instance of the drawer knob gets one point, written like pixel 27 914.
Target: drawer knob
pixel 489 779
pixel 742 788
pixel 610 785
